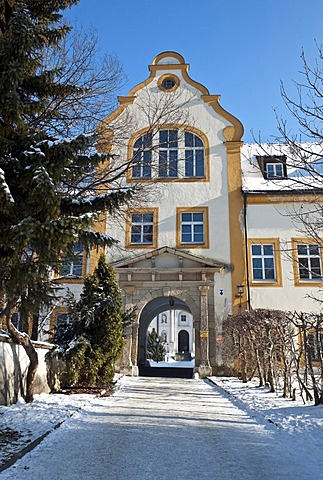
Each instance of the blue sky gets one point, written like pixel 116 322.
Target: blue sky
pixel 240 49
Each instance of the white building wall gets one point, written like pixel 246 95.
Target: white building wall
pixel 275 221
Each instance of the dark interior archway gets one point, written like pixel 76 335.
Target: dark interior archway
pixel 183 341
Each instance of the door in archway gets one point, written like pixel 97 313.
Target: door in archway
pixel 183 341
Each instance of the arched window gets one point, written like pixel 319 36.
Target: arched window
pixel 176 153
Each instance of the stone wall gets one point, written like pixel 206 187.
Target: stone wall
pixel 13 370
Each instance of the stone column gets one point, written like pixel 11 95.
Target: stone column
pixel 127 366
pixel 204 368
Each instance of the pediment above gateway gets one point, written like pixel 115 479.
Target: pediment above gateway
pixel 167 258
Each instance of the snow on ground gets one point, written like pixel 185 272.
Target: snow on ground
pixel 172 363
pixel 292 416
pixel 49 410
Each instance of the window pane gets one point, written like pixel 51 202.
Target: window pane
pixel 135 238
pixel 186 217
pixel 302 249
pixel 279 170
pixel 313 250
pixel 77 270
pixel 269 269
pixel 199 163
pixel 163 163
pixel 187 229
pixel 189 163
pixel 148 217
pixel 163 137
pixel 136 218
pixel 198 217
pixel 147 140
pixel 188 139
pixel 138 143
pixel 198 142
pixel 256 249
pixel 198 237
pixel 136 171
pixel 316 267
pixel 173 163
pixel 303 268
pixel 268 249
pixel 147 229
pixel 173 138
pixel 198 228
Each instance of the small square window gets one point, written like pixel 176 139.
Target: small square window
pixel 309 262
pixel 265 262
pixel 142 229
pixel 192 227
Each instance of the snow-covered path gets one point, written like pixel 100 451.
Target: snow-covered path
pixel 167 428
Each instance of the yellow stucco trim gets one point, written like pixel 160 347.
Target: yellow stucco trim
pixel 277 256
pixel 170 126
pixel 179 211
pixel 237 247
pixel 231 133
pixel 273 198
pixel 136 246
pixel 167 54
pixel 297 281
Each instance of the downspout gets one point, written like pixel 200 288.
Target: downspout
pixel 246 246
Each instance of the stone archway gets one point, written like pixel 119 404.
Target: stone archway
pixel 151 310
pixel 148 282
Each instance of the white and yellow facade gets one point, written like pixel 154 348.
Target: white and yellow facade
pixel 205 220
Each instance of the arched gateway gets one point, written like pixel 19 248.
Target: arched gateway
pixel 163 277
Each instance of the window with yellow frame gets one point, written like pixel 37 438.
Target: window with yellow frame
pixel 169 154
pixel 264 262
pixel 192 227
pixel 142 228
pixel 307 259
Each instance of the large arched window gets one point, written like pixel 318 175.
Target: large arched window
pixel 169 154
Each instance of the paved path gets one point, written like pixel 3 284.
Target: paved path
pixel 160 429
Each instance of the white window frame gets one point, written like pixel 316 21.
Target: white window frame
pixel 167 161
pixel 263 257
pixel 275 174
pixel 308 257
pixel 192 224
pixel 141 225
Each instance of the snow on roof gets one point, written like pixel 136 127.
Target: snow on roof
pixel 304 167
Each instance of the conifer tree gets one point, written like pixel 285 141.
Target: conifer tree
pixel 43 210
pixel 95 342
pixel 155 347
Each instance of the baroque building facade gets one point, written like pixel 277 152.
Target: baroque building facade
pixel 210 231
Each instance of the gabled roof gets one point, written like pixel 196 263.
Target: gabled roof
pixel 199 262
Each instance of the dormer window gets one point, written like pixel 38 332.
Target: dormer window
pixel 272 167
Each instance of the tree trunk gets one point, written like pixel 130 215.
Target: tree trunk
pixel 23 339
